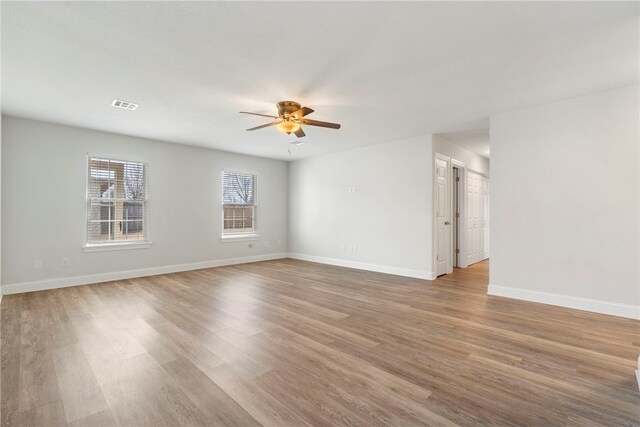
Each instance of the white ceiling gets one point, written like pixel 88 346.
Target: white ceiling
pixel 385 70
pixel 476 141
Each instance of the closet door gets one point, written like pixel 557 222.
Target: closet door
pixel 485 217
pixel 473 217
pixel 477 217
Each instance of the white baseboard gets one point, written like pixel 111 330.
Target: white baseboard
pixel 597 306
pixel 63 282
pixel 418 274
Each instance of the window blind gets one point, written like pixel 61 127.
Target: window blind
pixel 238 200
pixel 116 201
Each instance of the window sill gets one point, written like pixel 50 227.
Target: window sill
pixel 249 237
pixel 117 246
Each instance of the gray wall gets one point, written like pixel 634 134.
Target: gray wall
pixel 565 206
pixel 387 219
pixel 0 208
pixel 44 202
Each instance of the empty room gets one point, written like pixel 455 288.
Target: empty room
pixel 320 213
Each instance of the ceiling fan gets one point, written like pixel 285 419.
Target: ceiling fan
pixel 290 115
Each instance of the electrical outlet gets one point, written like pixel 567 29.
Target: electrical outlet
pixel 65 262
pixel 37 264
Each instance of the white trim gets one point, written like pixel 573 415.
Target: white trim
pixel 477 172
pixel 578 303
pixel 458 163
pixel 398 271
pixel 638 373
pixel 250 237
pixel 63 282
pixel 115 246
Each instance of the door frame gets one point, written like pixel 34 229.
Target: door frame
pixel 462 209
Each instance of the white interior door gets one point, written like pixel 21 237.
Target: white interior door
pixel 443 206
pixel 473 217
pixel 486 222
pixel 477 217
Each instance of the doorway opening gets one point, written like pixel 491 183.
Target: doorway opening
pixel 461 215
pixel 460 197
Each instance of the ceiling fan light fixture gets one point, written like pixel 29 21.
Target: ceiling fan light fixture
pixel 291 117
pixel 288 126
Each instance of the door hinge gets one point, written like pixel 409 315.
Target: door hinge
pixel 457 214
pixel 457 179
pixel 457 251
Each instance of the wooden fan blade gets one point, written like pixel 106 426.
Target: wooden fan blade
pixel 299 133
pixel 257 114
pixel 321 124
pixel 264 126
pixel 300 113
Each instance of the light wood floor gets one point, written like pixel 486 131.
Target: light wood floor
pixel 291 343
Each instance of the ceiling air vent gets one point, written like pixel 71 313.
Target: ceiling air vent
pixel 124 104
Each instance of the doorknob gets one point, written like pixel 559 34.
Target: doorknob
pixel 447 223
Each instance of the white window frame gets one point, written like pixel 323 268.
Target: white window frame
pixel 112 245
pixel 239 236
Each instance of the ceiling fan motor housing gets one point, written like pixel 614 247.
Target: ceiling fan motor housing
pixel 285 108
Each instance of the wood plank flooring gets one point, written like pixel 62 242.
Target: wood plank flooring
pixel 292 343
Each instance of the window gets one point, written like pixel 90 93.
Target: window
pixel 116 201
pixel 238 203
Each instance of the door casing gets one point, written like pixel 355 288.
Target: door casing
pixel 462 209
